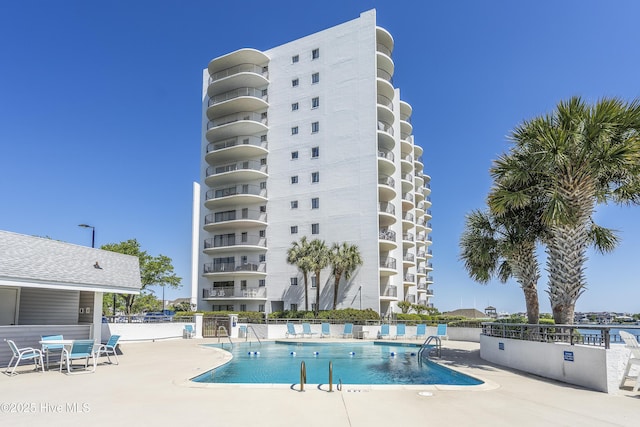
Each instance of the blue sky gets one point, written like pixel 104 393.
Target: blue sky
pixel 100 112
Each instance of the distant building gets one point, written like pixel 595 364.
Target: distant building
pixel 310 138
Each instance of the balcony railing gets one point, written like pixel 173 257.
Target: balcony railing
pixel 405 118
pixel 387 235
pixel 230 292
pixel 409 278
pixel 389 291
pixel 408 158
pixel 246 165
pixel 430 292
pixel 233 190
pixel 232 118
pixel 408 237
pixel 421 270
pixel 407 177
pixel 386 127
pixel 386 207
pixel 241 68
pixel 409 257
pixel 407 197
pixel 411 299
pixel 224 267
pixel 405 136
pixel 419 159
pixel 422 286
pixel 385 75
pixel 239 140
pixel 231 240
pixel 386 155
pixel 421 254
pixel 408 216
pixel 387 180
pixel 388 263
pixel 430 279
pixel 236 93
pixel 383 49
pixel 383 100
pixel 219 217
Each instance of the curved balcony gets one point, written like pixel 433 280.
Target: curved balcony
pixel 384 37
pixel 417 150
pixel 385 109
pixel 408 260
pixel 386 214
pixel 427 213
pixel 247 170
pixel 406 146
pixel 407 220
pixel 385 140
pixel 384 75
pixel 418 180
pixel 388 267
pixel 429 253
pixel 236 148
pixel 243 123
pixel 386 188
pixel 421 271
pixel 230 293
pixel 419 165
pixel 419 197
pixel 389 293
pixel 244 241
pixel 229 220
pixel 237 100
pixel 223 66
pixel 386 165
pixel 429 266
pixel 421 255
pixel 233 195
pixel 427 202
pixel 406 129
pixel 406 162
pixel 428 240
pixel 387 239
pixel 409 279
pixel 426 188
pixel 249 75
pixel 408 240
pixel 429 279
pixel 216 269
pixel 385 127
pixel 405 111
pixel 407 202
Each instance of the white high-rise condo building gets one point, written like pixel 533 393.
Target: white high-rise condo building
pixel 310 138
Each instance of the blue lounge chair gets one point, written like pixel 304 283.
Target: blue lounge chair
pixel 306 330
pixel 348 330
pixel 110 348
pixel 421 331
pixel 326 330
pixel 20 354
pixel 384 331
pixel 80 350
pixel 48 349
pixel 291 331
pixel 400 330
pixel 442 331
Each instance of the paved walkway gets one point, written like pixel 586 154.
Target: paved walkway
pixel 149 387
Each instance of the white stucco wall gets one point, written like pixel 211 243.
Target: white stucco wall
pixel 592 367
pixel 144 331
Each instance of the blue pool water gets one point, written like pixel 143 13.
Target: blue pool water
pixel 353 363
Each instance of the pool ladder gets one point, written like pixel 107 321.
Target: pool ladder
pixel 431 351
pixel 222 332
pixel 303 376
pixel 250 328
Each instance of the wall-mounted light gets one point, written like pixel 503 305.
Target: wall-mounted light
pixel 96 265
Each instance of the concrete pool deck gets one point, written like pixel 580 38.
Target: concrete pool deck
pixel 149 387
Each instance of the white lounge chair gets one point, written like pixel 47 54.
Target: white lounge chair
pixel 384 331
pixel 189 332
pixel 306 330
pixel 80 350
pixel 291 331
pixel 421 331
pixel 109 348
pixel 441 332
pixel 400 331
pixel 20 354
pixel 325 331
pixel 348 330
pixel 634 359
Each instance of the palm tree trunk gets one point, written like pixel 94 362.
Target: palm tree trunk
pixel 526 271
pixel 306 291
pixel 315 312
pixel 336 285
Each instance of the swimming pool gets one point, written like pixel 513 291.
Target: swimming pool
pixel 353 363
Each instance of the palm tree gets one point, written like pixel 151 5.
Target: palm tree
pixel 298 255
pixel 578 156
pixel 345 259
pixel 320 257
pixel 504 247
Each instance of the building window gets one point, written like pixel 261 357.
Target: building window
pixel 294 106
pixel 263 208
pixel 262 233
pixel 314 282
pixel 263 161
pixel 261 308
pixel 315 177
pixel 262 282
pixel 263 185
pixel 315 203
pixel 294 229
pixel 294 130
pixel 263 138
pixel 295 58
pixel 294 82
pixel 315 54
pixel 265 92
pixel 313 306
pixel 315 102
pixel 294 155
pixel 294 204
pixel 315 152
pixel 243 284
pixel 315 78
pixel 262 258
pixel 315 228
pixel 243 307
pixel 294 179
pixel 293 307
pixel 315 127
pixel 294 281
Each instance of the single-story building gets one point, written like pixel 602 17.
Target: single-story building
pixel 48 287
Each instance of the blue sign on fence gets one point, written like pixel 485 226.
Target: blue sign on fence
pixel 568 356
pixel 500 346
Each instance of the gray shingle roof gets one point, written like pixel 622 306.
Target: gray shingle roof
pixel 50 263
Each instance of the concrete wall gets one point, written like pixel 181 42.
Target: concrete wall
pixel 592 367
pixel 144 331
